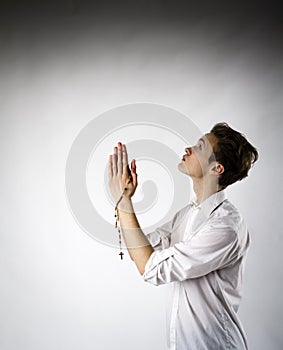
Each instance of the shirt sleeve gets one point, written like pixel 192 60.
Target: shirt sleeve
pixel 161 237
pixel 212 248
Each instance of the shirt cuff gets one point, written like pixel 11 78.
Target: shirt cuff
pixel 151 271
pixel 154 238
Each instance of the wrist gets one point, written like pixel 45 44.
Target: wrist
pixel 126 205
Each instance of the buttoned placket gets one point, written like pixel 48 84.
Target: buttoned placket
pixel 177 285
pixel 195 209
pixel 175 305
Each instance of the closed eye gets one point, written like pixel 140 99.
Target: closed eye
pixel 201 143
pixel 199 146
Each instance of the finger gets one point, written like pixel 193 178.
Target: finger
pixel 134 172
pixel 110 170
pixel 119 159
pixel 125 159
pixel 114 161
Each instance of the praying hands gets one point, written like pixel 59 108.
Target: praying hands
pixel 122 179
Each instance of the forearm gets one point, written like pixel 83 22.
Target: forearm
pixel 136 242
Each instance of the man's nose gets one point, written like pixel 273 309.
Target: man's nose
pixel 188 150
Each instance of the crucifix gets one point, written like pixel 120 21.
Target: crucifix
pixel 121 255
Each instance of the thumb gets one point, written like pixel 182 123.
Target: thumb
pixel 133 172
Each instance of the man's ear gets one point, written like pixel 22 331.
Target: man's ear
pixel 217 168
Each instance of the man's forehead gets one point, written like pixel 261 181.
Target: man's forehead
pixel 209 139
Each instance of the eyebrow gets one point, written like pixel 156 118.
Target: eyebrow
pixel 201 139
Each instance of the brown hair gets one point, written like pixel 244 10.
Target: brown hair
pixel 234 152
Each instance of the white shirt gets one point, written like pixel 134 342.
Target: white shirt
pixel 202 251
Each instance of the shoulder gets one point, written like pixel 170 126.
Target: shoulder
pixel 228 217
pixel 228 212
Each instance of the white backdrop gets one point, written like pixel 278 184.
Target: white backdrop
pixel 63 66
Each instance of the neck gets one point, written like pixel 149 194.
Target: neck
pixel 203 189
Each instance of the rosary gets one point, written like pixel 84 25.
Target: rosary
pixel 117 218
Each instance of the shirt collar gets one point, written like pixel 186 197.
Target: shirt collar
pixel 206 208
pixel 210 203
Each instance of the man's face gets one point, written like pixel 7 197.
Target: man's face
pixel 195 162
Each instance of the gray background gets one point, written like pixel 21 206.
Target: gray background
pixel 62 64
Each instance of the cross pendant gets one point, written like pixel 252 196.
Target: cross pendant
pixel 121 255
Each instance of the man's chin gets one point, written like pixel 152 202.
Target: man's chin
pixel 182 168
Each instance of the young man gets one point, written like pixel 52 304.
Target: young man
pixel 202 250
